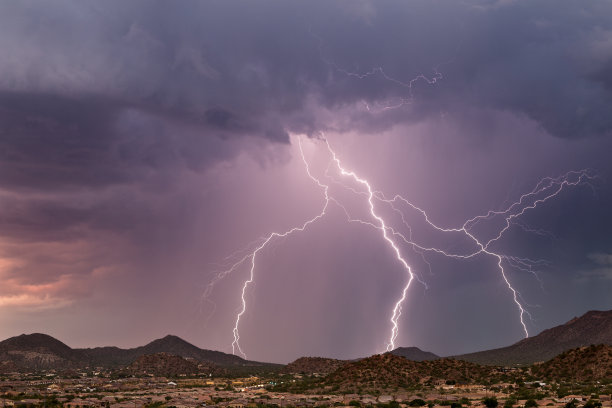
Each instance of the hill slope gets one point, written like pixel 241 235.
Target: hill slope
pixel 314 365
pixel 580 364
pixel 388 371
pixel 162 364
pixel 594 327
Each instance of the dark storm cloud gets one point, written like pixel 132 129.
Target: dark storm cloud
pixel 233 69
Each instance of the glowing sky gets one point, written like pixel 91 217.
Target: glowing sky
pixel 142 143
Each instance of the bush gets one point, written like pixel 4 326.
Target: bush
pixel 490 402
pixel 510 402
pixel 531 403
pixel 592 404
pixel 572 404
pixel 417 403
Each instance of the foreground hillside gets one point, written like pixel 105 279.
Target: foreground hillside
pixel 162 365
pixel 580 364
pixel 594 327
pixel 391 371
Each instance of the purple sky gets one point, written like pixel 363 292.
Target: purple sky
pixel 142 143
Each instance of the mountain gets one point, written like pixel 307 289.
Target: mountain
pixel 42 352
pixel 414 354
pixel 314 365
pixel 580 364
pixel 594 327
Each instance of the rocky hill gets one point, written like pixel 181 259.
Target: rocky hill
pixel 388 371
pixel 162 365
pixel 414 354
pixel 314 365
pixel 594 327
pixel 580 364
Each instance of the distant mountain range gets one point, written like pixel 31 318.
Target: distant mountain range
pixel 594 327
pixel 41 351
pixel 29 352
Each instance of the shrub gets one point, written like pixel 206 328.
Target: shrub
pixel 490 402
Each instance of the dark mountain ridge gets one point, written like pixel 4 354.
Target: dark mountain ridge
pixel 594 327
pixel 41 351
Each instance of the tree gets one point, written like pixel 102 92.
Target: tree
pixel 531 403
pixel 572 404
pixel 592 404
pixel 490 402
pixel 510 402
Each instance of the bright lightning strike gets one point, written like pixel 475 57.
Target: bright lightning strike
pixel 545 190
pixel 397 309
pixel 253 255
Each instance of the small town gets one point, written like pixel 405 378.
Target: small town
pixel 92 391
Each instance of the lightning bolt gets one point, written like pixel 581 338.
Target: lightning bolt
pixel 397 309
pixel 253 255
pixel 545 190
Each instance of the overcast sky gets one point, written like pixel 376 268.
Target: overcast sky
pixel 142 143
